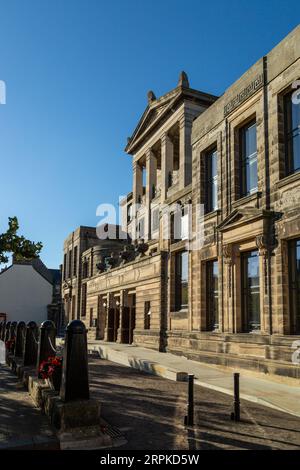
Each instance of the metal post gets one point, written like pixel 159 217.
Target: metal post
pixel 236 414
pixel 189 419
pixel 3 331
pixel 75 379
pixel 46 347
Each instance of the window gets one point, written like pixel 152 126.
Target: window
pixel 292 134
pixel 83 301
pixel 141 228
pixel 155 219
pixel 65 266
pixel 181 280
pixel 147 315
pixel 180 224
pixel 212 295
pixel 91 317
pixel 75 261
pixel 294 285
pixel 129 213
pixel 248 155
pixel 211 166
pixel 70 264
pixel 250 291
pixel 73 306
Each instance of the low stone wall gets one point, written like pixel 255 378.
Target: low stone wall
pixel 259 353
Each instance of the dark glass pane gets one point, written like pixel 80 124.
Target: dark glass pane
pixel 295 115
pixel 251 291
pixel 211 181
pixel 212 295
pixel 181 280
pixel 248 159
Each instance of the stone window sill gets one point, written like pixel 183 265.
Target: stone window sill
pixel 249 198
pixel 179 314
pixel 288 179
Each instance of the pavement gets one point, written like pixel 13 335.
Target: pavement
pixel 149 411
pixel 263 390
pixel 22 425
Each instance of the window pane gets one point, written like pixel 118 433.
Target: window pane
pixel 295 116
pixel 211 181
pixel 214 163
pixel 296 151
pixel 250 140
pixel 212 295
pixel 181 280
pixel 251 291
pixel 252 175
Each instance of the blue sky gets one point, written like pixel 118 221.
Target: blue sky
pixel 77 73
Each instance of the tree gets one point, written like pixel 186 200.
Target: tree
pixel 10 242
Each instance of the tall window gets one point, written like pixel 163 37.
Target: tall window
pixel 250 291
pixel 294 285
pixel 65 266
pixel 147 315
pixel 248 147
pixel 75 261
pixel 292 134
pixel 70 264
pixel 212 295
pixel 181 280
pixel 83 300
pixel 212 181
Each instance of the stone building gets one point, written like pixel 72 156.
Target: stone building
pixel 227 167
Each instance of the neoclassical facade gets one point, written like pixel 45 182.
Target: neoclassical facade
pixel 227 169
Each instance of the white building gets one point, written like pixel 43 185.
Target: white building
pixel 28 290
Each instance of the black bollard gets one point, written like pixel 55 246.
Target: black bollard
pixel 46 346
pixel 20 338
pixel 75 378
pixel 30 344
pixel 7 331
pixel 236 415
pixel 189 419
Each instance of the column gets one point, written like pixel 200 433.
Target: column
pixel 151 169
pixel 123 320
pixel 166 164
pixel 185 151
pixel 137 191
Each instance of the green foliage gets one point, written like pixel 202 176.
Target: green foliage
pixel 10 242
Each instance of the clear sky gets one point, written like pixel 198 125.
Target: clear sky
pixel 77 73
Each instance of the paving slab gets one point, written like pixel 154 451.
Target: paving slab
pixel 262 390
pixel 22 426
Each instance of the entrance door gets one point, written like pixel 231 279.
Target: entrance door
pixel 131 319
pixel 251 296
pixel 113 323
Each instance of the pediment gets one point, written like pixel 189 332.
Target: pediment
pixel 153 114
pixel 242 216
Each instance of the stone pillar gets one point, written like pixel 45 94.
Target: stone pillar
pixel 227 286
pixel 75 379
pixel 185 151
pixel 151 169
pixel 137 192
pixel 46 347
pixel 264 250
pixel 7 331
pixel 166 164
pixel 30 345
pixel 3 331
pixel 20 339
pixel 108 302
pixel 123 306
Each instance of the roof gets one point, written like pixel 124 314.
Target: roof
pixel 51 275
pixel 159 109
